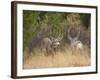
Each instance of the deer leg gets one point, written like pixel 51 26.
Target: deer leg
pixel 72 50
pixel 46 52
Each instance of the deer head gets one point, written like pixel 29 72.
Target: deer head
pixel 74 41
pixel 51 44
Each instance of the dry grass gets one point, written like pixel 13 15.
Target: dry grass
pixel 60 59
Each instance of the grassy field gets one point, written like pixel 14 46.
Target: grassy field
pixel 65 58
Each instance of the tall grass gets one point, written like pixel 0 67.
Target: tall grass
pixel 65 58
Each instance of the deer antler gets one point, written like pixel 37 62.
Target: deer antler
pixel 78 34
pixel 69 36
pixel 60 37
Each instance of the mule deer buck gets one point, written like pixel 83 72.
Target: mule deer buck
pixel 50 45
pixel 75 43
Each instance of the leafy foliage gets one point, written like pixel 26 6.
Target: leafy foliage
pixel 44 23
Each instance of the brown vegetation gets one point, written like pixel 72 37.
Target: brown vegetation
pixel 65 58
